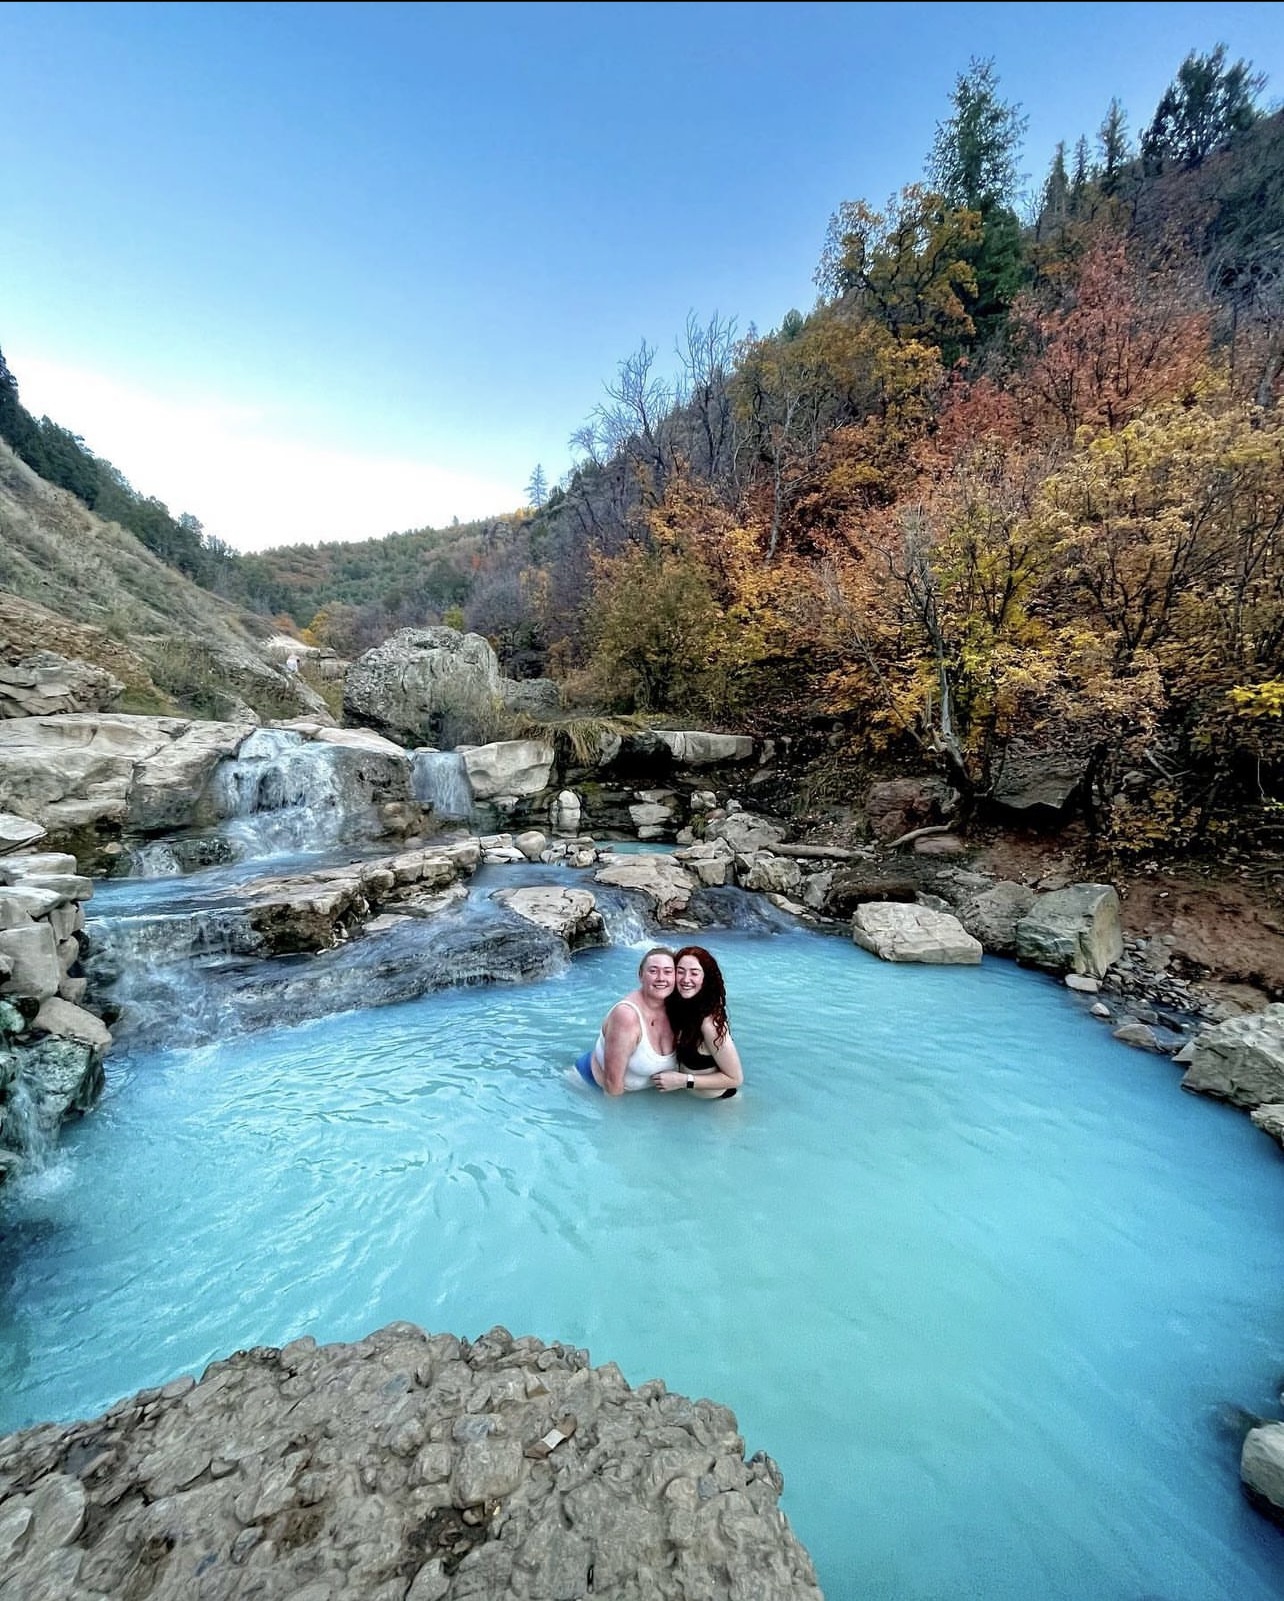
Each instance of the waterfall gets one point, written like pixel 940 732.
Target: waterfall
pixel 21 1128
pixel 441 781
pixel 282 792
pixel 623 918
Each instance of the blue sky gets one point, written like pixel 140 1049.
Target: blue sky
pixel 322 271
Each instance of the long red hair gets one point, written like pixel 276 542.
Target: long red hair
pixel 687 1017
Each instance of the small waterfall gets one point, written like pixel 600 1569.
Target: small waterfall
pixel 22 1129
pixel 623 918
pixel 173 858
pixel 440 781
pixel 281 792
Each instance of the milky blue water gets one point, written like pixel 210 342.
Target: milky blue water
pixel 977 1276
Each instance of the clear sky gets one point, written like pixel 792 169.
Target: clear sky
pixel 317 271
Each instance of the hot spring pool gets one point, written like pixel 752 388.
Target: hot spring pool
pixel 978 1277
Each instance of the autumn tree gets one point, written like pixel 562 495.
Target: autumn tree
pixel 1117 343
pixel 907 266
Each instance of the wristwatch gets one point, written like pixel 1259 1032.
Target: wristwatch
pixel 691 1081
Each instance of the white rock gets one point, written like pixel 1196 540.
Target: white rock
pixel 899 932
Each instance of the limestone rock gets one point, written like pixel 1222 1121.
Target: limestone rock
pixel 1072 930
pixel 774 875
pixel 899 932
pixel 1033 780
pixel 17 832
pixel 1270 1119
pixel 666 884
pixel 311 1471
pixel 45 682
pixel 695 748
pixel 571 914
pixel 1240 1060
pixel 33 952
pixel 508 767
pixel 1261 1467
pixel 992 914
pixel 531 844
pixel 565 813
pixel 65 1021
pixel 745 831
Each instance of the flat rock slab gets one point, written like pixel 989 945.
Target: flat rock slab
pixel 899 932
pixel 571 914
pixel 402 1466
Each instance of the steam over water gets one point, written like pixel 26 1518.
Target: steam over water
pixel 978 1277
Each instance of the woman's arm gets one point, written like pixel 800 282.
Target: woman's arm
pixel 620 1035
pixel 728 1074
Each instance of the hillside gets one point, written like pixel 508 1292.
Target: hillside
pixel 93 591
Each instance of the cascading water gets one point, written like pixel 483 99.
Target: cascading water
pixel 282 792
pixel 22 1129
pixel 440 781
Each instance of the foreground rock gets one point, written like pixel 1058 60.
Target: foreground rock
pixel 1241 1060
pixel 899 932
pixel 1075 930
pixel 1261 1469
pixel 400 1468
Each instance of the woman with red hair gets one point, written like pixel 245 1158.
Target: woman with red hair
pixel 708 1062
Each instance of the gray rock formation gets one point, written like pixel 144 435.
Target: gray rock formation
pixel 665 884
pixel 438 686
pixel 508 767
pixel 695 748
pixel 1075 930
pixel 400 1468
pixel 1241 1060
pixel 894 806
pixel 991 915
pixel 570 914
pixel 899 932
pixel 1270 1119
pixel 87 779
pixel 744 831
pixel 51 1048
pixel 45 682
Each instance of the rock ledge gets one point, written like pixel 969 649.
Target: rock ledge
pixel 403 1467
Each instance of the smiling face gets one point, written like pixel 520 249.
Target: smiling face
pixel 656 979
pixel 689 977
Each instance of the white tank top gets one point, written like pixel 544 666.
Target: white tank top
pixel 645 1059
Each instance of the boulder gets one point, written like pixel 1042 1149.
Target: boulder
pixel 565 813
pixel 531 844
pixel 695 748
pixel 745 831
pixel 438 685
pixel 32 951
pixel 1261 1468
pixel 666 885
pixel 1240 1060
pixel 571 914
pixel 68 1022
pixel 1072 930
pixel 992 914
pixel 402 1465
pixel 895 806
pixel 773 875
pixel 1039 780
pixel 899 932
pixel 508 767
